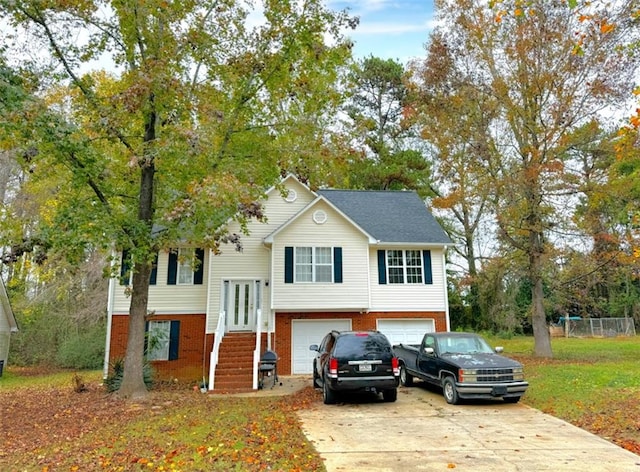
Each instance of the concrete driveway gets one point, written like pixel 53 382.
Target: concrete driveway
pixel 421 432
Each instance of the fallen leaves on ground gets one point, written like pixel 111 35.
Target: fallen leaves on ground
pixel 52 428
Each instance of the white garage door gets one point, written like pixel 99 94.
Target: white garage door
pixel 304 333
pixel 406 331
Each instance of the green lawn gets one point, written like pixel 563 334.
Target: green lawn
pixel 591 382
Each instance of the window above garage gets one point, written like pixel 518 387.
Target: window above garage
pixel 310 264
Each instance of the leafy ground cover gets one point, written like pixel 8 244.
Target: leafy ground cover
pixel 46 426
pixel 593 383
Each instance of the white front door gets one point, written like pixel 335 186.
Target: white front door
pixel 241 305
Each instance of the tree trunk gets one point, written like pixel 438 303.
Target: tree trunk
pixel 133 385
pixel 541 336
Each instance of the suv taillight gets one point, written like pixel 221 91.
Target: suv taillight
pixel 333 367
pixel 395 366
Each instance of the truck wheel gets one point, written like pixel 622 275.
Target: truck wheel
pixel 328 395
pixel 390 395
pixel 449 391
pixel 315 376
pixel 511 399
pixel 406 380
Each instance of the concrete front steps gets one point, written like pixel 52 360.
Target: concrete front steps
pixel 234 372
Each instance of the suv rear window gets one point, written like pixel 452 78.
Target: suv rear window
pixel 358 344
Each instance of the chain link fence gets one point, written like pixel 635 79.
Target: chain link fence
pixel 595 327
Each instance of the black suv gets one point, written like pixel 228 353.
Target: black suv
pixel 355 360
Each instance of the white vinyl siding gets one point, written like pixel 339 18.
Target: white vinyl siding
pixel 336 231
pixel 409 296
pixel 254 262
pixel 167 299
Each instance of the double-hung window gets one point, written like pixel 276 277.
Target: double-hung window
pixel 404 266
pixel 162 341
pixel 185 266
pixel 313 264
pixel 409 266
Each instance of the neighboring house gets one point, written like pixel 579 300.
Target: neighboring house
pixel 8 325
pixel 330 259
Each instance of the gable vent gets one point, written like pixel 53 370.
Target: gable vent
pixel 319 216
pixel 291 196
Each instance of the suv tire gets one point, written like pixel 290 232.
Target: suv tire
pixel 328 395
pixel 390 395
pixel 316 379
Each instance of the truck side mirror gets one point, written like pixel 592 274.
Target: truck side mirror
pixel 313 347
pixel 499 349
pixel 429 350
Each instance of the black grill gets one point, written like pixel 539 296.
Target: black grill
pixel 268 368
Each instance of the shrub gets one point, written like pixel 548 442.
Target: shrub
pixel 83 351
pixel 114 379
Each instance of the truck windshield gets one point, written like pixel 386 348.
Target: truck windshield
pixel 463 345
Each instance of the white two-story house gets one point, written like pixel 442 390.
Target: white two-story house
pixel 324 260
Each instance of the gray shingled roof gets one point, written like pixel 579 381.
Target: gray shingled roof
pixel 389 216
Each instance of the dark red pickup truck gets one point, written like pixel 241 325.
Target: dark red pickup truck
pixel 464 365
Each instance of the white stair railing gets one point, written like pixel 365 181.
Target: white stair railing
pixel 213 360
pixel 256 352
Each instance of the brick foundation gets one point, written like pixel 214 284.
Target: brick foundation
pixel 191 353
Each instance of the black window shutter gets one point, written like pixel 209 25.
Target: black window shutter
pixel 198 274
pixel 288 265
pixel 428 272
pixel 337 265
pixel 173 267
pixel 154 271
pixel 174 340
pixel 125 268
pixel 382 267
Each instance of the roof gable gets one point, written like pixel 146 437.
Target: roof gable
pixel 389 216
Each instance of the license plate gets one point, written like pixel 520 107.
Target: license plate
pixel 364 368
pixel 499 391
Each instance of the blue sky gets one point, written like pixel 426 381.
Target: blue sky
pixel 389 29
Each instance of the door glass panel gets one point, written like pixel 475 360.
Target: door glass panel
pixel 236 305
pixel 247 304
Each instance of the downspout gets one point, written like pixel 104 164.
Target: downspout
pixel 446 291
pixel 110 302
pixel 206 317
pixel 271 324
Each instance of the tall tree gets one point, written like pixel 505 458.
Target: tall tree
pixel 550 72
pixel 390 157
pixel 196 121
pixel 455 116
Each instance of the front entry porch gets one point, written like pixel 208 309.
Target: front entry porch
pixel 239 340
